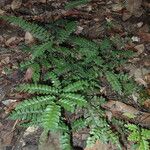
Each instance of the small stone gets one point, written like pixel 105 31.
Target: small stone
pixel 8 102
pixel 140 24
pixel 135 39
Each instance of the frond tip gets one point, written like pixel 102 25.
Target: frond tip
pixel 36 30
pixel 51 116
pixel 37 88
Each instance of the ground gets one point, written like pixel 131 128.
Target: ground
pixel 126 22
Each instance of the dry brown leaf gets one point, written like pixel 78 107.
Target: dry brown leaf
pixel 6 137
pixel 140 48
pixel 118 110
pixel 134 8
pixel 10 40
pixel 147 78
pixel 1 12
pixel 28 74
pixel 16 4
pixel 145 36
pixel 98 146
pixel 29 39
pixel 117 7
pixel 147 103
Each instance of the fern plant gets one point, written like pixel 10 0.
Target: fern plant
pixel 139 136
pixel 72 67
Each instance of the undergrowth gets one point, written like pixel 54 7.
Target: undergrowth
pixel 73 68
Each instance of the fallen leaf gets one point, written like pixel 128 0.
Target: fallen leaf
pixel 42 1
pixel 147 103
pixel 30 130
pixel 6 137
pixel 118 109
pixel 147 78
pixel 29 39
pixel 126 15
pixel 10 41
pixel 6 60
pixel 140 48
pixel 145 28
pixel 28 74
pixel 1 12
pixel 98 146
pixel 16 4
pixel 144 36
pixel 133 8
pixel 117 7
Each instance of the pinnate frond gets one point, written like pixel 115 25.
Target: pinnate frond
pixel 37 88
pixel 36 30
pixel 51 117
pixel 76 86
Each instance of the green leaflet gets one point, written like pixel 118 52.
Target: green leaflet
pixel 139 136
pixel 51 117
pixel 114 82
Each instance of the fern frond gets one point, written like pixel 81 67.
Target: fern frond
pixel 140 136
pixel 51 117
pixel 36 30
pixel 53 77
pixel 78 124
pixel 144 145
pixel 114 82
pixel 65 142
pixel 26 115
pixel 36 103
pixel 37 88
pixel 68 104
pixel 76 86
pixel 106 45
pixel 145 133
pixel 76 98
pixel 65 33
pixel 104 134
pixel 26 64
pixel 84 43
pixel 38 50
pixel 76 3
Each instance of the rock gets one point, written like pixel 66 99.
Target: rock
pixel 135 39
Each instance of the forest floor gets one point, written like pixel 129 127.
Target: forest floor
pixel 126 22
